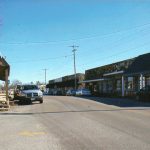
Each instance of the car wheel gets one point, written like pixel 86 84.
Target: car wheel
pixel 41 101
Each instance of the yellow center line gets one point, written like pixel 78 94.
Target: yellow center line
pixel 31 134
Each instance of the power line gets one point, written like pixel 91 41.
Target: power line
pixel 55 58
pixel 117 42
pixel 84 38
pixel 122 52
pixel 65 56
pixel 43 59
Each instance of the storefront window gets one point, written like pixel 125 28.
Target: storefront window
pixel 100 86
pixel 142 82
pixel 104 87
pixel 118 85
pixel 130 83
pixel 148 81
pixel 110 86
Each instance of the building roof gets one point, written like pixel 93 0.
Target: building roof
pixel 67 78
pixel 107 70
pixel 3 66
pixel 141 64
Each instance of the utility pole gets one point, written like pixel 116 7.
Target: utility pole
pixel 45 70
pixel 74 56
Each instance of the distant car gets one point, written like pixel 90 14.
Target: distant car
pixel 50 92
pixel 45 93
pixel 144 94
pixel 83 92
pixel 71 93
pixel 28 94
pixel 57 92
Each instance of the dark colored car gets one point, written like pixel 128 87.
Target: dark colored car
pixel 144 94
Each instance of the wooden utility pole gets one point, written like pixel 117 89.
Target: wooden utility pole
pixel 45 70
pixel 74 56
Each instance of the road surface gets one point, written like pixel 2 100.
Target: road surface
pixel 71 123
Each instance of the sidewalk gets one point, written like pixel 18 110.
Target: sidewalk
pixel 120 102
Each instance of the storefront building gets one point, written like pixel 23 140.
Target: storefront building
pixel 65 83
pixel 123 78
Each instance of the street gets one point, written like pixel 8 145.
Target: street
pixel 73 123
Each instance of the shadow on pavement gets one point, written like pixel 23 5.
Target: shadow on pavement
pixel 16 102
pixel 120 102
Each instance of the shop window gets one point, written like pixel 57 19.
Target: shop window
pixel 118 85
pixel 96 88
pixel 104 87
pixel 130 83
pixel 100 87
pixel 148 81
pixel 110 86
pixel 142 82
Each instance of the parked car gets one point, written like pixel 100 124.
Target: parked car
pixel 83 92
pixel 144 94
pixel 45 93
pixel 71 93
pixel 57 92
pixel 28 94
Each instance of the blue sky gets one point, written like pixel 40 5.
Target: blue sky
pixel 36 34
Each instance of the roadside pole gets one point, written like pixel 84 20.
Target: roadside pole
pixel 74 56
pixel 45 72
pixel 6 86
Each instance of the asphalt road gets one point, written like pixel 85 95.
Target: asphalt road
pixel 70 123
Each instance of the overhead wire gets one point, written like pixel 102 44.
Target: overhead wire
pixel 65 56
pixel 118 42
pixel 84 38
pixel 43 59
pixel 116 54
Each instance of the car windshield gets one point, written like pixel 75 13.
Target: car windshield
pixel 29 87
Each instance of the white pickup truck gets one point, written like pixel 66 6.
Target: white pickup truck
pixel 28 94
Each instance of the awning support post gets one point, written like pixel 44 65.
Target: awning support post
pixel 6 85
pixel 123 86
pixel 141 81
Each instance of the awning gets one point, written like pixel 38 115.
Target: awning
pixel 94 80
pixel 3 66
pixel 137 73
pixel 141 65
pixel 114 73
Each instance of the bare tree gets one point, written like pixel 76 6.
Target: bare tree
pixel 14 83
